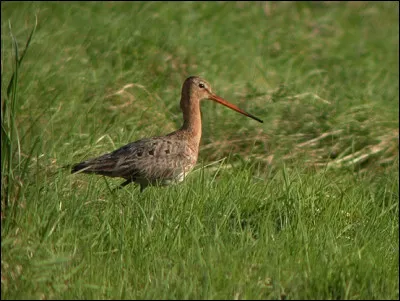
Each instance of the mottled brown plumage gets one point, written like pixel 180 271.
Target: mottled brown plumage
pixel 166 159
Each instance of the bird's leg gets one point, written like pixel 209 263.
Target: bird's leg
pixel 126 183
pixel 142 187
pixel 123 184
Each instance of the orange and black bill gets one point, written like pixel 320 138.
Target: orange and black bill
pixel 232 106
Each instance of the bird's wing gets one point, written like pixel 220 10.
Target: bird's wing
pixel 153 158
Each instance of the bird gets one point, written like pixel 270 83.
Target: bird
pixel 161 160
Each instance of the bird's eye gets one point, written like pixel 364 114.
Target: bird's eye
pixel 201 85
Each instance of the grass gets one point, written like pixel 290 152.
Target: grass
pixel 304 206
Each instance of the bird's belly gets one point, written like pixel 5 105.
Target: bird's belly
pixel 167 178
pixel 173 180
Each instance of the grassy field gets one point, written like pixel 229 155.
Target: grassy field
pixel 303 206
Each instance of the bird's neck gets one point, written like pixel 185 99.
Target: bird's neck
pixel 192 121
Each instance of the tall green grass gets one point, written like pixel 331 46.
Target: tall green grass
pixel 304 206
pixel 11 168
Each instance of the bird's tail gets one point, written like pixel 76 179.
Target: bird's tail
pixel 103 165
pixel 84 166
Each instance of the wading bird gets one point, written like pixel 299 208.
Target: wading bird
pixel 165 159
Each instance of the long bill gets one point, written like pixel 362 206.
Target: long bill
pixel 232 106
